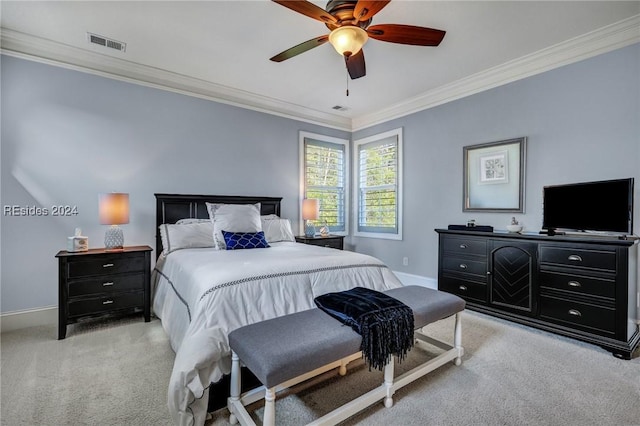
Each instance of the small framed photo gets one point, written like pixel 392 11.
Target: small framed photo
pixel 494 167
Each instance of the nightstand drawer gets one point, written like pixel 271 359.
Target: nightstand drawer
pixel 584 316
pixel 468 246
pixel 579 284
pixel 106 284
pixel 581 258
pixel 96 305
pixel 331 243
pixel 106 265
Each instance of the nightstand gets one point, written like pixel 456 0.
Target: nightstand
pixel 332 241
pixel 99 282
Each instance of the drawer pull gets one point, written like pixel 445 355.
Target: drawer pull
pixel 107 302
pixel 108 265
pixel 575 258
pixel 574 284
pixel 463 266
pixel 108 284
pixel 575 312
pixel 463 246
pixel 463 287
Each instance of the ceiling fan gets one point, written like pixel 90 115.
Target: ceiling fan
pixel 349 22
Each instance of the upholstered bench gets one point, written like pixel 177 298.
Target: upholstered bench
pixel 288 350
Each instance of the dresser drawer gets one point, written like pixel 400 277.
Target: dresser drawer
pixel 465 266
pixel 583 316
pixel 466 289
pixel 103 304
pixel 468 246
pixel 106 284
pixel 604 260
pixel 106 265
pixel 578 284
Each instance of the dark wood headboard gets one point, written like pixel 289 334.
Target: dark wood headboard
pixel 172 207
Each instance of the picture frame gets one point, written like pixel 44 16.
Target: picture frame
pixel 494 176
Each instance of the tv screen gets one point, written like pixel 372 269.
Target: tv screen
pixel 605 206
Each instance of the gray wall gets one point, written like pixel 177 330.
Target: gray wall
pixel 68 136
pixel 582 122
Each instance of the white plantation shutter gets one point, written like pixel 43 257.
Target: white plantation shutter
pixel 378 192
pixel 325 178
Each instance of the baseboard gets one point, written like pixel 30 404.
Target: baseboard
pixel 28 318
pixel 410 279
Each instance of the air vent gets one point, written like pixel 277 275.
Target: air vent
pixel 106 42
pixel 340 108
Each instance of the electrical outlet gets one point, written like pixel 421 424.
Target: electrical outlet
pixel 405 261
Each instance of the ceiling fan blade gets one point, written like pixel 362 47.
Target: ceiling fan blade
pixel 406 34
pixel 365 10
pixel 308 9
pixel 355 65
pixel 301 48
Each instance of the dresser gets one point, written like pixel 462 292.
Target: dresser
pixel 332 241
pixel 577 286
pixel 97 282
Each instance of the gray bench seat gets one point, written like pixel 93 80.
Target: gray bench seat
pixel 288 347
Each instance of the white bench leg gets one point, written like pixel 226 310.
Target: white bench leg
pixel 235 386
pixel 269 407
pixel 388 382
pixel 457 338
pixel 343 367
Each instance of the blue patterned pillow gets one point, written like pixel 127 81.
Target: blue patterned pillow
pixel 244 240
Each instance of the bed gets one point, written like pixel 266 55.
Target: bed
pixel 202 293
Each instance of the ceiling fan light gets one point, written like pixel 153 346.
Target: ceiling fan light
pixel 348 40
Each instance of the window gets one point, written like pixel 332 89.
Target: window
pixel 324 162
pixel 378 191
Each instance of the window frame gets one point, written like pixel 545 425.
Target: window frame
pixel 399 185
pixel 347 179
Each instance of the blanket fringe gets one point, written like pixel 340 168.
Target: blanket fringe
pixel 385 333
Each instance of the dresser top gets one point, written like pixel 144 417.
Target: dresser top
pixel 572 238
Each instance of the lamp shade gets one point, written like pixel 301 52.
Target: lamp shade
pixel 348 40
pixel 113 208
pixel 310 209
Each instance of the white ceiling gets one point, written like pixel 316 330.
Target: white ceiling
pixel 222 49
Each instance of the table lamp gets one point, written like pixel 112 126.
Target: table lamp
pixel 114 211
pixel 310 212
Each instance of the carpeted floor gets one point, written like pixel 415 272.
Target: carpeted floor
pixel 116 373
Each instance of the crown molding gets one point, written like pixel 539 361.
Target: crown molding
pixel 597 42
pixel 605 39
pixel 41 50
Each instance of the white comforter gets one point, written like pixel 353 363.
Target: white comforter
pixel 203 294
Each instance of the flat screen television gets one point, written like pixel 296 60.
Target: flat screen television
pixel 604 206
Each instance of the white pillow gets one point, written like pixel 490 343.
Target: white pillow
pixel 192 235
pixel 190 220
pixel 277 230
pixel 233 218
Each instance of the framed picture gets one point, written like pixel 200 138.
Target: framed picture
pixel 494 167
pixel 494 176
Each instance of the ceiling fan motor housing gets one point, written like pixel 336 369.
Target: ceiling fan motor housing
pixel 342 10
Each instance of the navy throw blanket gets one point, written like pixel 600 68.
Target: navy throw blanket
pixel 385 323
